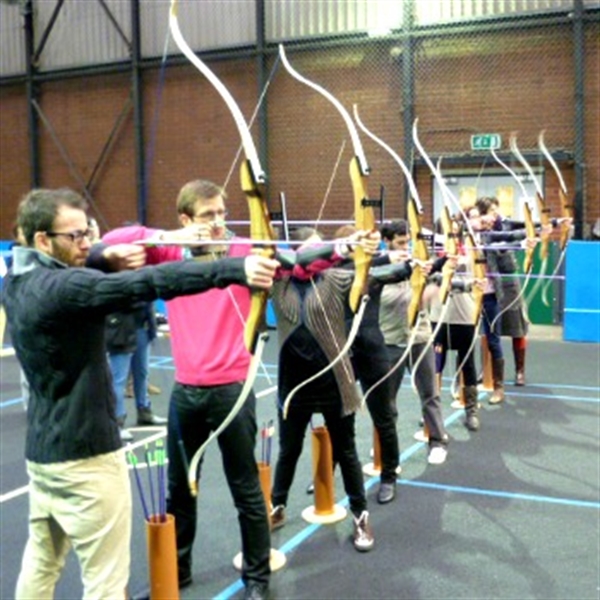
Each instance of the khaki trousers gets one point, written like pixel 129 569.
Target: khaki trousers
pixel 83 504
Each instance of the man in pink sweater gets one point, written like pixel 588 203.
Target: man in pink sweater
pixel 211 364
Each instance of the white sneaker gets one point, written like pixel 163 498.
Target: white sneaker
pixel 126 435
pixel 363 534
pixel 437 455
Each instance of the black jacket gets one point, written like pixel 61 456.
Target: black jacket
pixel 122 326
pixel 56 317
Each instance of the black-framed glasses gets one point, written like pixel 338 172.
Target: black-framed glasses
pixel 75 236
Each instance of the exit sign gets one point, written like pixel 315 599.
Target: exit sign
pixel 486 141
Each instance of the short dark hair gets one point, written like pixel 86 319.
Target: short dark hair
pixel 38 209
pixel 393 228
pixel 485 203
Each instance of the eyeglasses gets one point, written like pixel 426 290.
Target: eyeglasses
pixel 75 236
pixel 211 215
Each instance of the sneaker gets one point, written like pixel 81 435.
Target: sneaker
pixel 145 416
pixel 363 535
pixel 437 455
pixel 310 488
pixel 387 492
pixel 278 517
pixel 497 397
pixel 126 435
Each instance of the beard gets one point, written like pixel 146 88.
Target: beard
pixel 66 256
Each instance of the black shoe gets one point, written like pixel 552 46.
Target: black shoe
pixel 145 416
pixel 310 488
pixel 386 493
pixel 256 591
pixel 185 580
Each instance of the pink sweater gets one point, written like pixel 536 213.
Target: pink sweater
pixel 206 329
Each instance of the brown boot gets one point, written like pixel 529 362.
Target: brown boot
pixel 154 390
pixel 519 354
pixel 498 372
pixel 471 408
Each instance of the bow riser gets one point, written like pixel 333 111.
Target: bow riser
pixel 530 229
pixel 365 220
pixel 261 229
pixel 567 213
pixel 451 248
pixel 418 279
pixel 479 273
pixel 545 221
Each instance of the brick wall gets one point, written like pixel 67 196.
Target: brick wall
pixel 503 82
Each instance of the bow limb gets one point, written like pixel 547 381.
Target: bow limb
pixel 566 206
pixel 527 213
pixel 542 209
pixel 364 214
pixel 450 246
pixel 530 230
pixel 247 388
pixel 247 142
pixel 544 213
pixel 420 251
pixel 567 213
pixel 252 179
pixel 364 220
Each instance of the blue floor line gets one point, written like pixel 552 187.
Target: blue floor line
pixel 498 494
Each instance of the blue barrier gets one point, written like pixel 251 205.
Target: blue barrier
pixel 582 295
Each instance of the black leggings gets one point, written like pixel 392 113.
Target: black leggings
pixel 460 337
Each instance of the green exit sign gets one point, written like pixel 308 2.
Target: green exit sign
pixel 486 141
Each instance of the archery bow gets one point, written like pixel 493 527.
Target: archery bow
pixel 364 218
pixel 478 270
pixel 543 211
pixel 567 213
pixel 530 231
pixel 252 178
pixel 449 243
pixel 419 248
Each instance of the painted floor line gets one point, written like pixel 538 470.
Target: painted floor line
pixel 500 494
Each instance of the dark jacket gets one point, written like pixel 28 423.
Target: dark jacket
pixel 122 326
pixel 56 317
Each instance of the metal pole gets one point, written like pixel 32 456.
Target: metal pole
pixel 408 90
pixel 32 93
pixel 579 124
pixel 138 114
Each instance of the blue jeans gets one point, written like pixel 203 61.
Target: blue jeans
pixel 137 362
pixel 491 310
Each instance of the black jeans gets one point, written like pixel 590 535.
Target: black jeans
pixel 371 365
pixel 341 432
pixel 193 413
